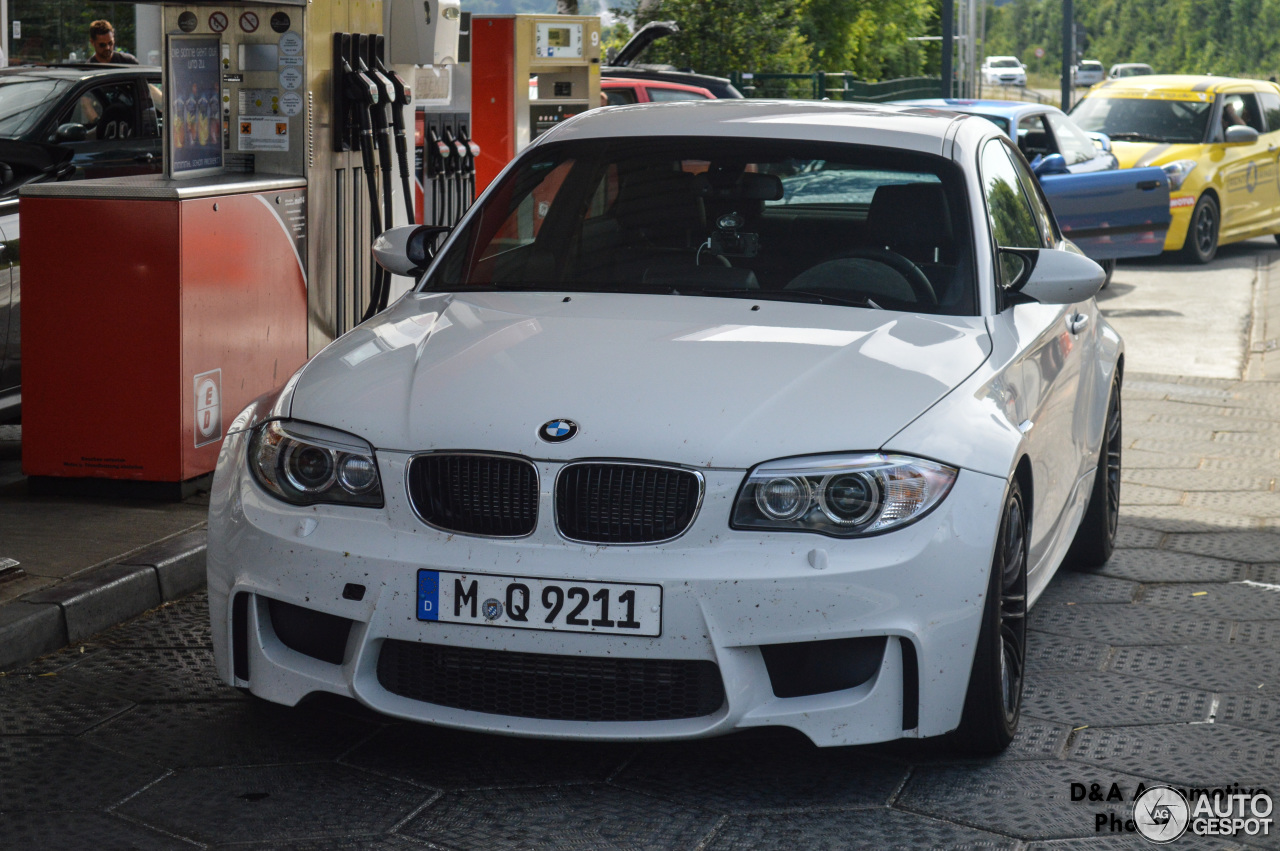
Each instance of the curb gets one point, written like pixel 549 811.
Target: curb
pixel 71 611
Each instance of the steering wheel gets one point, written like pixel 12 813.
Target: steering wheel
pixel 915 278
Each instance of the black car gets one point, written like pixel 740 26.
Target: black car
pixel 108 115
pixel 58 123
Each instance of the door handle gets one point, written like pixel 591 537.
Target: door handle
pixel 1148 185
pixel 1077 323
pixel 144 158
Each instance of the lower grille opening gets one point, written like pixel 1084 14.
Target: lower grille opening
pixel 552 687
pixel 910 685
pixel 817 667
pixel 316 634
pixel 240 636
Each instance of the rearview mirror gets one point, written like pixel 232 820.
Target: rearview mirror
pixel 1239 134
pixel 1051 275
pixel 407 250
pixel 72 132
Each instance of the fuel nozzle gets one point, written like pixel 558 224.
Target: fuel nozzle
pixel 472 150
pixel 357 85
pixel 459 148
pixel 453 164
pixel 438 153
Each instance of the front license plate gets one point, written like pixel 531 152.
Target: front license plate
pixel 525 602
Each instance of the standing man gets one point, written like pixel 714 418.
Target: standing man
pixel 103 38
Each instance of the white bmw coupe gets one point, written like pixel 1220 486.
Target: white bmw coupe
pixel 706 416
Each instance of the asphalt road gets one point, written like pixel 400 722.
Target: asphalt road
pixel 1160 667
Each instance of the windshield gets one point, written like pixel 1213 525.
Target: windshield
pixel 733 218
pixel 1006 63
pixel 1145 120
pixel 24 102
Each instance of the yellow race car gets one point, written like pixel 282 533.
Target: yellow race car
pixel 1217 138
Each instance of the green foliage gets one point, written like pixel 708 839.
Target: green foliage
pixel 1224 37
pixel 724 36
pixel 868 37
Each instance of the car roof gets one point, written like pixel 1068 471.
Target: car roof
pixel 1153 84
pixel 906 127
pixel 73 72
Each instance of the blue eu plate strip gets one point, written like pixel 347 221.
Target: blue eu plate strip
pixel 428 595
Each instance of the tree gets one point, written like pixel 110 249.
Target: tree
pixel 868 37
pixel 724 36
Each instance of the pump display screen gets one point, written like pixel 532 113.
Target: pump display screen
pixel 193 135
pixel 558 41
pixel 259 57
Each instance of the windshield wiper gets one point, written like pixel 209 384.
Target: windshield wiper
pixel 810 296
pixel 1135 137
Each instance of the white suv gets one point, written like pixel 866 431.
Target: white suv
pixel 1088 73
pixel 1003 71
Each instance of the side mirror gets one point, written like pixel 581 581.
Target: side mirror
pixel 71 132
pixel 1051 275
pixel 1239 134
pixel 1052 164
pixel 407 250
pixel 1102 141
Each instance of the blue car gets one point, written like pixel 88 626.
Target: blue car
pixel 1106 211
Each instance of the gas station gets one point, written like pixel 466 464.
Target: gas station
pixel 294 134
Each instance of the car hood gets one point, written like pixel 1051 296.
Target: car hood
pixel 1139 154
pixel 711 382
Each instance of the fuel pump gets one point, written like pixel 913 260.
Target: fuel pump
pixel 563 51
pixel 247 254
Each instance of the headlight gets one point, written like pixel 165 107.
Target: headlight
pixel 305 464
pixel 841 495
pixel 1178 171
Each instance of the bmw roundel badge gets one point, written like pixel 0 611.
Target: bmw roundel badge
pixel 558 431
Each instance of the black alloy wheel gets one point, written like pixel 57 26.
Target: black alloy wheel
pixel 1202 234
pixel 1108 266
pixel 1096 538
pixel 993 704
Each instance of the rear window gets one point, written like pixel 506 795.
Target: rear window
pixel 788 220
pixel 1091 66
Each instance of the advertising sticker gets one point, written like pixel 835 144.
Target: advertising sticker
pixel 194 132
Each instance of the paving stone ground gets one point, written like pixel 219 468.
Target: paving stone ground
pixel 1161 667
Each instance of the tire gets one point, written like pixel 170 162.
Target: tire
pixel 1202 234
pixel 1096 538
pixel 993 703
pixel 1108 266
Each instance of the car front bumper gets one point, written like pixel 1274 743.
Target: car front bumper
pixel 726 593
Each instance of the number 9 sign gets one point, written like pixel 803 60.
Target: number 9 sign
pixel 595 39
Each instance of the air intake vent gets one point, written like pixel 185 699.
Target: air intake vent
pixel 493 495
pixel 562 688
pixel 615 503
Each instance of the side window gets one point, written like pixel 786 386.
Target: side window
pixel 107 112
pixel 619 97
pixel 1073 144
pixel 1271 110
pixel 1241 108
pixel 1009 210
pixel 660 95
pixel 1033 137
